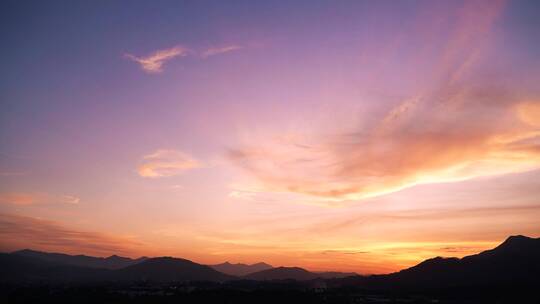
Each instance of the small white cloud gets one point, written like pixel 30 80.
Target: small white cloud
pixel 219 50
pixel 70 199
pixel 154 62
pixel 164 163
pixel 241 194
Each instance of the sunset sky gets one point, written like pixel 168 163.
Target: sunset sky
pixel 358 136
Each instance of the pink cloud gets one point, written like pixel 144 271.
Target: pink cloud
pixel 154 62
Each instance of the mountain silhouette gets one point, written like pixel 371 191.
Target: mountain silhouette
pixel 112 262
pixel 168 269
pixel 240 269
pixel 515 262
pixel 513 246
pixel 20 268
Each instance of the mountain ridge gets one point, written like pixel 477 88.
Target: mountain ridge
pixel 167 269
pixel 110 262
pixel 240 269
pixel 516 261
pixel 295 273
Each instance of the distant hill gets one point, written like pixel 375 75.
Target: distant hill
pixel 168 269
pixel 240 269
pixel 295 273
pixel 335 274
pixel 282 273
pixel 112 262
pixel 20 268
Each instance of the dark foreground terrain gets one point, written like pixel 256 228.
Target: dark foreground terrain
pixel 264 293
pixel 509 273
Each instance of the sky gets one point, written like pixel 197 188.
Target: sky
pixel 359 136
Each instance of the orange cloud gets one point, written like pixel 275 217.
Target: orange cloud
pixel 432 143
pixel 456 128
pixel 529 112
pixel 18 232
pixel 154 62
pixel 165 163
pixel 32 198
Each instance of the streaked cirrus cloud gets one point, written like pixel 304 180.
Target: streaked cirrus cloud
pixel 484 136
pixel 154 62
pixel 36 198
pixel 457 126
pixel 220 50
pixel 164 163
pixel 18 232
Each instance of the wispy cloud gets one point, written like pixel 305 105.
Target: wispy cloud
pixel 475 139
pixel 457 127
pixel 243 194
pixel 220 50
pixel 18 232
pixel 154 62
pixel 36 198
pixel 164 163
